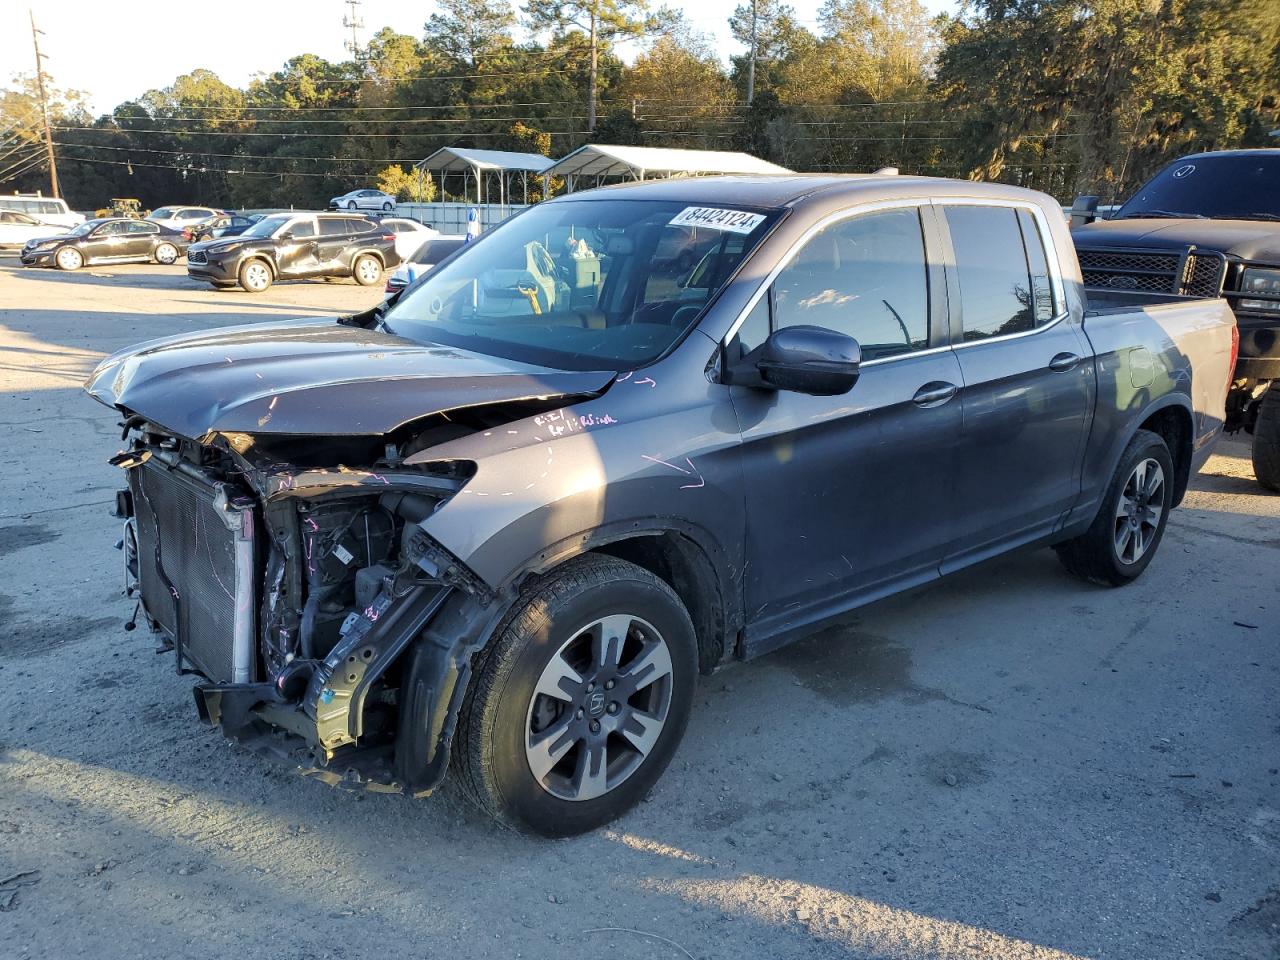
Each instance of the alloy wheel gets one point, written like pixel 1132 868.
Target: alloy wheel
pixel 599 707
pixel 1139 511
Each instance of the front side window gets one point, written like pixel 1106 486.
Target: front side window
pixel 1001 293
pixel 579 284
pixel 866 277
pixel 114 229
pixel 51 206
pixel 302 228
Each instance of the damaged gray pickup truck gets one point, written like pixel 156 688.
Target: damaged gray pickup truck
pixel 504 522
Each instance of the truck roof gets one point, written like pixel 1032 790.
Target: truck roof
pixel 770 190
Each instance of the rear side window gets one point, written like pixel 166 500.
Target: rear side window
pixel 141 226
pixel 1003 278
pixel 334 227
pixel 866 277
pixel 358 226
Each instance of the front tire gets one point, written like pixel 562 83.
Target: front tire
pixel 255 276
pixel 351 204
pixel 388 207
pixel 69 258
pixel 366 270
pixel 580 700
pixel 1266 439
pixel 166 254
pixel 1123 538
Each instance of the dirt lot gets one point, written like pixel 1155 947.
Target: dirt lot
pixel 1008 764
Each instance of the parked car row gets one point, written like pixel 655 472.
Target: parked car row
pixel 229 249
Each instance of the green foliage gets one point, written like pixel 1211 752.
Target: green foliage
pixel 1060 95
pixel 405 184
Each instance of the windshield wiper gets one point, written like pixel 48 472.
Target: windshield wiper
pixel 1163 215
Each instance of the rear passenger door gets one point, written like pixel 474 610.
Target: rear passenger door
pixel 140 237
pixel 1028 379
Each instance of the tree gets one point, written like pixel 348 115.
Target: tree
pixel 404 185
pixel 603 22
pixel 778 34
pixel 470 32
pixel 677 85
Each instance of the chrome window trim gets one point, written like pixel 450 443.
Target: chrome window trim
pixel 1054 262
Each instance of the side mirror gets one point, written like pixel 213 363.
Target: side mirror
pixel 811 360
pixel 287 235
pixel 1084 210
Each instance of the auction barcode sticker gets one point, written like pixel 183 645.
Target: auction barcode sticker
pixel 734 221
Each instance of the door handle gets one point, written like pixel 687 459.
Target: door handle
pixel 1063 362
pixel 935 394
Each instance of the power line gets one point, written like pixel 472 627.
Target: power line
pixel 345 136
pixel 27 163
pixel 232 156
pixel 193 169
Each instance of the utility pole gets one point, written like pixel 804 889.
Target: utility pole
pixel 44 106
pixel 751 64
pixel 354 22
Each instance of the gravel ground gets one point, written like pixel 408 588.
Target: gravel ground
pixel 1006 764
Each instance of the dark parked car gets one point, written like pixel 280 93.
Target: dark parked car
pixel 511 517
pixel 427 256
pixel 106 240
pixel 223 225
pixel 293 246
pixel 1206 225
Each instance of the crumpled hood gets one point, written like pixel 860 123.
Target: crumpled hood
pixel 308 377
pixel 1246 239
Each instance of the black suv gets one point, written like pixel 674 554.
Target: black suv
pixel 291 246
pixel 1206 225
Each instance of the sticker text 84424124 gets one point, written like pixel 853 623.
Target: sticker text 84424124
pixel 715 218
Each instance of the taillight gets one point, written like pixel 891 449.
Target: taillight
pixel 389 236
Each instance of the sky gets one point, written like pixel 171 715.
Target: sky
pixel 151 42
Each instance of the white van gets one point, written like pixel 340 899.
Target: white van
pixel 45 209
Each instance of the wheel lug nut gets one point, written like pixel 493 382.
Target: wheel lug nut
pixel 613 707
pixel 591 686
pixel 608 685
pixel 595 726
pixel 580 713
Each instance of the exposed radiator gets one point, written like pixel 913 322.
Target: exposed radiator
pixel 196 567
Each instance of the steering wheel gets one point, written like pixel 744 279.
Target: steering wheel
pixel 542 258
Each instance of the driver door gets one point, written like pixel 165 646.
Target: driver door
pixel 298 249
pixel 107 242
pixel 849 497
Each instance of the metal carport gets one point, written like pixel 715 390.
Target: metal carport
pixel 484 166
pixel 603 161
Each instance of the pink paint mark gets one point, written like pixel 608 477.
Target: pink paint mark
pixel 647 381
pixel 626 376
pixel 312 524
pixel 378 476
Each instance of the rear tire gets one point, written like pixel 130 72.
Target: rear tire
pixel 366 270
pixel 1266 439
pixel 568 761
pixel 255 276
pixel 1124 536
pixel 166 254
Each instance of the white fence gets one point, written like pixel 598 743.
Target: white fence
pixel 452 217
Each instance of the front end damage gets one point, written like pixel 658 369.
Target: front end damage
pixel 295 590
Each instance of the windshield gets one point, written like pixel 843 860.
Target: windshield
pixel 1224 187
pixel 86 228
pixel 164 212
pixel 266 227
pixel 596 284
